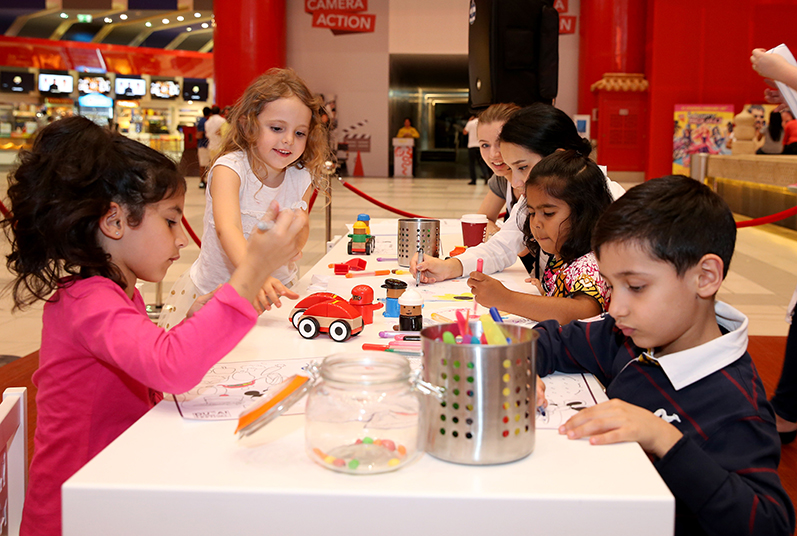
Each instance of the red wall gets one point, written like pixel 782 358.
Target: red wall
pixel 698 52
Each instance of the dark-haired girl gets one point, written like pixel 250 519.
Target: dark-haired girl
pixel 566 193
pixel 540 130
pixel 92 212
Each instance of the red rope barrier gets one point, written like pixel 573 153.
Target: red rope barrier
pixel 4 211
pixel 312 201
pixel 379 203
pixel 767 219
pixel 191 232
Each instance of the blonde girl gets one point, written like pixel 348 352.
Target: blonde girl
pixel 275 149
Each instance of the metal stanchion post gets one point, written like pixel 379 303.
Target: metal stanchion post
pixel 328 208
pixel 154 310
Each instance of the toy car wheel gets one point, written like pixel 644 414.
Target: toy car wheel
pixel 368 248
pixel 349 248
pixel 339 330
pixel 296 316
pixel 308 327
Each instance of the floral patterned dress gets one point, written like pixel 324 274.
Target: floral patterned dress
pixel 582 276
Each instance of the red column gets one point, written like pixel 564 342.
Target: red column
pixel 248 39
pixel 611 40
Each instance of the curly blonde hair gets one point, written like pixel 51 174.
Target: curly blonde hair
pixel 244 129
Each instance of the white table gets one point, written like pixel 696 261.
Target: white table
pixel 166 475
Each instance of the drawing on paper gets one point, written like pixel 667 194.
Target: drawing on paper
pixel 228 388
pixel 567 394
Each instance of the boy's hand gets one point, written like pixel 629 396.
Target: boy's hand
pixel 270 295
pixel 541 402
pixel 488 291
pixel 616 421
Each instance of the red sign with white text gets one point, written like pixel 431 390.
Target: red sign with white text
pixel 567 24
pixel 351 6
pixel 342 21
pixel 560 6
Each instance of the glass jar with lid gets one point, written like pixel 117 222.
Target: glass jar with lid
pixel 365 414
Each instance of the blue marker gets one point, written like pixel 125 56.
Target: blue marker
pixel 496 315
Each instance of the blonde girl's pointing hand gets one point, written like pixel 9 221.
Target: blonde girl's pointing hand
pixel 269 249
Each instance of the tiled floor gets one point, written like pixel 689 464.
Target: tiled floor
pixel 762 277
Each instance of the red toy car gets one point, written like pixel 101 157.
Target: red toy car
pixel 325 312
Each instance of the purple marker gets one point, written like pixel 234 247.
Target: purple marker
pixel 392 334
pixel 386 259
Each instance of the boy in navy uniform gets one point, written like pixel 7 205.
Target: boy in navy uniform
pixel 674 361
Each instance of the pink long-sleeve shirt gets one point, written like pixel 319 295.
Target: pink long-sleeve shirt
pixel 102 365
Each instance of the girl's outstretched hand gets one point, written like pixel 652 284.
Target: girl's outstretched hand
pixel 488 291
pixel 270 294
pixel 268 249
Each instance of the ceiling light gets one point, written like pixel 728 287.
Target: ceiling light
pixel 148 24
pixel 165 21
pixel 188 29
pixel 197 15
pixel 108 20
pixel 123 16
pixel 64 16
pixel 181 18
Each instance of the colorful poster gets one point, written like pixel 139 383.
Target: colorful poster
pixel 700 128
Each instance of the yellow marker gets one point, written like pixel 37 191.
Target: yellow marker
pixel 400 272
pixel 493 333
pixel 437 317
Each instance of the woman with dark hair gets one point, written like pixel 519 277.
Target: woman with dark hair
pixel 539 130
pixel 772 134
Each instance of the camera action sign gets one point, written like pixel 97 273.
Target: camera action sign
pixel 341 16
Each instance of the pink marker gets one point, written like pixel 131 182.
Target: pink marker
pixel 480 269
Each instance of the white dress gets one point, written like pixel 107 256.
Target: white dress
pixel 213 267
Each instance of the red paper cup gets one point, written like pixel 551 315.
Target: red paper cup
pixel 473 228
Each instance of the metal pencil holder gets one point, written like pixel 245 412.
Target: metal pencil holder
pixel 415 233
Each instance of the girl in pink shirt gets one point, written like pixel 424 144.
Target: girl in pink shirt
pixel 92 212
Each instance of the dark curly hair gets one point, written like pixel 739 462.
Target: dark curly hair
pixel 60 189
pixel 579 182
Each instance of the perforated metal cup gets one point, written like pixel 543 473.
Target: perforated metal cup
pixel 487 410
pixel 415 233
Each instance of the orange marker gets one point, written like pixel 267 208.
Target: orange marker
pixel 359 274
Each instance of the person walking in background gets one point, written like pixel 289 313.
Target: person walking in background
pixel 775 67
pixel 213 130
pixel 789 132
pixel 474 154
pixel 202 146
pixel 772 134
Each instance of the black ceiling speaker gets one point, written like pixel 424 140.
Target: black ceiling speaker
pixel 513 52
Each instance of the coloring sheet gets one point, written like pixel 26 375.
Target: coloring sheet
pixel 228 388
pixel 567 394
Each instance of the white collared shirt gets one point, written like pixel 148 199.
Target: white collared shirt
pixel 689 366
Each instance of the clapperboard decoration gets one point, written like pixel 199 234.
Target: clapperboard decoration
pixel 357 142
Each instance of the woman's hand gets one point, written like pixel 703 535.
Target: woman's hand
pixel 433 269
